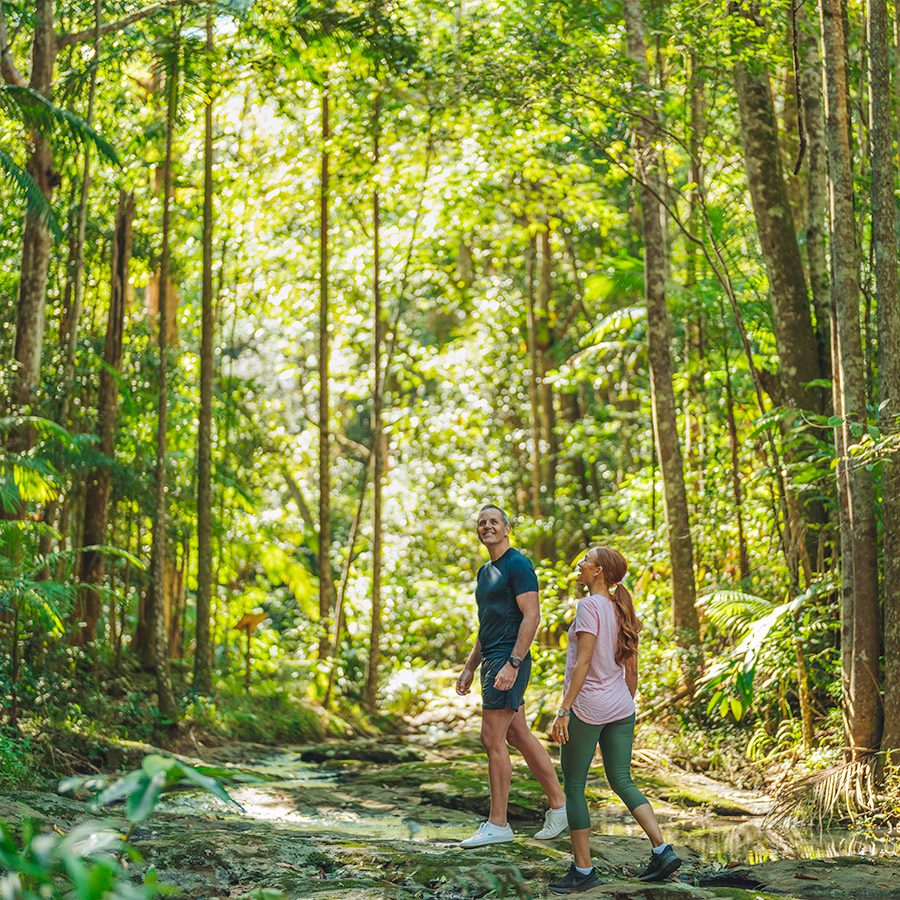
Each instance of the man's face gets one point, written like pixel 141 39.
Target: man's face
pixel 491 528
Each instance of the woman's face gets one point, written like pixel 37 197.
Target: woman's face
pixel 588 567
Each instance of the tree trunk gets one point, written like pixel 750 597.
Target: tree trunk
pixel 545 342
pixel 659 339
pixel 156 613
pixel 378 441
pixel 817 176
pixel 36 241
pixel 326 584
pixel 794 334
pixel 96 502
pixel 534 369
pixel 884 236
pixel 859 574
pixel 203 649
pixel 75 295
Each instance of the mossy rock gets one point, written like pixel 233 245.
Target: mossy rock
pixel 361 750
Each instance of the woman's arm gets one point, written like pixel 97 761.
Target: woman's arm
pixel 559 730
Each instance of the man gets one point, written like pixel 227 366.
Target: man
pixel 508 618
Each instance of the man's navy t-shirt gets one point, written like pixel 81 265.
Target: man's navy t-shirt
pixel 499 616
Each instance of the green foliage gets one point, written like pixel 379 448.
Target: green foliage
pixel 15 759
pixel 85 864
pixel 142 788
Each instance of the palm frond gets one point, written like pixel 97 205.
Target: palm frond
pixel 733 612
pixel 35 111
pixel 26 187
pixel 840 793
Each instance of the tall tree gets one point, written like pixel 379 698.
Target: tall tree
pixel 884 237
pixel 326 582
pixel 859 572
pixel 96 501
pixel 203 649
pixel 156 612
pixel 378 436
pixel 794 333
pixel 651 175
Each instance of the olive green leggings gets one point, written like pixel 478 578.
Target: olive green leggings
pixel 615 740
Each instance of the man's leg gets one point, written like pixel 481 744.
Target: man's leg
pixel 494 727
pixel 536 756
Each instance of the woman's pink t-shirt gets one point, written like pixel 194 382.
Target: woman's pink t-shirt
pixel 604 696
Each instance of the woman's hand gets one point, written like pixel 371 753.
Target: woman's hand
pixel 559 730
pixel 464 682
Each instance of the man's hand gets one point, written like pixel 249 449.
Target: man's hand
pixel 464 682
pixel 559 730
pixel 506 677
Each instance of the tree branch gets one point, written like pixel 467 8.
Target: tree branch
pixel 11 74
pixel 88 34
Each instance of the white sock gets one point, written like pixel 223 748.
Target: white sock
pixel 559 808
pixel 658 850
pixel 581 871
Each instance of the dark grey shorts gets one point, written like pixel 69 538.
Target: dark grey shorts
pixel 491 698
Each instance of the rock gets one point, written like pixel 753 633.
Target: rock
pixel 837 878
pixel 363 750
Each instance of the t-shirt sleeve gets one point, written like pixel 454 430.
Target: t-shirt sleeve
pixel 587 617
pixel 522 576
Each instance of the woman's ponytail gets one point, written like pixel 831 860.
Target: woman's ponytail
pixel 614 567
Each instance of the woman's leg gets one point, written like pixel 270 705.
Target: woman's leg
pixel 576 756
pixel 616 743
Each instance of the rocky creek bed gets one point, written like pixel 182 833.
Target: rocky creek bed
pixel 367 819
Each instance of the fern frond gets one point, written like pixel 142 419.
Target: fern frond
pixel 733 612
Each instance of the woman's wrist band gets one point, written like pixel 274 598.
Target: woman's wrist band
pixel 563 713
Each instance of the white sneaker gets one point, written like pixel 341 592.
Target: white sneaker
pixel 555 823
pixel 488 833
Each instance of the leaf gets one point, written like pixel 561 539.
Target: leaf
pixel 141 803
pixel 210 785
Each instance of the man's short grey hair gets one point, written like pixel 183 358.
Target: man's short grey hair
pixel 502 512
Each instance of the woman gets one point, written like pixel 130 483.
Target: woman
pixel 598 708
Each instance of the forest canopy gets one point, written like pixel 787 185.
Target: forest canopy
pixel 290 290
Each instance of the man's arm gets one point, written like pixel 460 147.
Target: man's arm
pixel 464 682
pixel 530 607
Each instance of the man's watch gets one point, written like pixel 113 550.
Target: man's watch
pixel 563 713
pixel 515 661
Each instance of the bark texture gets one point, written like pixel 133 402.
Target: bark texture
pixel 659 339
pixel 96 501
pixel 884 236
pixel 203 648
pixel 326 583
pixel 859 573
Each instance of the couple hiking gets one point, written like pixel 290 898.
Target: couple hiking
pixel 597 707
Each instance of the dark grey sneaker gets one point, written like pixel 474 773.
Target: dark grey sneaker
pixel 573 881
pixel 661 865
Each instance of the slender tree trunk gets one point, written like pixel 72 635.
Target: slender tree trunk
pixel 378 441
pixel 534 369
pixel 36 240
pixel 884 236
pixel 545 340
pixel 96 502
pixel 156 612
pixel 203 649
pixel 326 584
pixel 72 309
pixel 736 473
pixel 859 573
pixel 659 338
pixel 817 175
